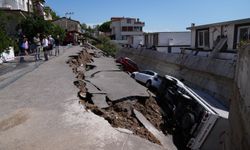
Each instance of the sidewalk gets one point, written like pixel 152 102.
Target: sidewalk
pixel 11 71
pixel 40 110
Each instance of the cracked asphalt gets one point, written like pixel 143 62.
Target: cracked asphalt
pixel 40 110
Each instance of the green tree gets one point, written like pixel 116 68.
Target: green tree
pixel 106 45
pixel 57 30
pixel 31 26
pixel 105 27
pixel 48 10
pixel 5 40
pixel 84 26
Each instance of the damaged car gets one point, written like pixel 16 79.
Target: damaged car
pixel 199 121
pixel 147 77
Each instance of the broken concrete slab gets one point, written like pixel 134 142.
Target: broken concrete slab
pixel 165 141
pixel 124 130
pixel 102 64
pixel 100 100
pixel 93 89
pixel 118 85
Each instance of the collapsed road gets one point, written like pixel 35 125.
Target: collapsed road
pixel 112 94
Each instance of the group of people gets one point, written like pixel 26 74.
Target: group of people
pixel 40 43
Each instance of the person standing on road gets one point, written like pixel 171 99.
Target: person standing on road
pixel 57 44
pixel 24 49
pixel 45 44
pixel 38 47
pixel 51 44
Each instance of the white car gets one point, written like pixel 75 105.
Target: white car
pixel 148 77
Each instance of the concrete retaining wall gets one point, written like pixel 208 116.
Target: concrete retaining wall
pixel 212 75
pixel 240 103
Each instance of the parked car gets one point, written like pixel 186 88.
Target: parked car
pixel 127 64
pixel 148 77
pixel 198 119
pixel 119 60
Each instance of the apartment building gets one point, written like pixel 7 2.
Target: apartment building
pixel 127 30
pixel 23 5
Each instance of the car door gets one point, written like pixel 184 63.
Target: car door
pixel 146 76
pixel 139 76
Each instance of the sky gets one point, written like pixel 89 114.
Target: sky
pixel 158 15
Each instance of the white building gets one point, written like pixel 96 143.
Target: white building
pixel 170 42
pixel 127 30
pixel 23 5
pixel 220 38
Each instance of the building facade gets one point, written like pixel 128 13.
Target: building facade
pixel 225 36
pixel 23 5
pixel 167 41
pixel 127 30
pixel 72 28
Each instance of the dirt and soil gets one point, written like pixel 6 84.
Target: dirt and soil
pixel 121 115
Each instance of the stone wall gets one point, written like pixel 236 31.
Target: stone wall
pixel 214 76
pixel 239 115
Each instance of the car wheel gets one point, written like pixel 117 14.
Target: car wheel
pixel 133 76
pixel 187 121
pixel 148 84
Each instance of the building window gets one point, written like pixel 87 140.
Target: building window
pixel 243 33
pixel 129 21
pixel 127 29
pixel 124 29
pixel 130 29
pixel 203 39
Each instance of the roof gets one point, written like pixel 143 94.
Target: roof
pixel 64 18
pixel 240 21
pixel 167 32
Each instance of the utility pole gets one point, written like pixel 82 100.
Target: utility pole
pixel 69 14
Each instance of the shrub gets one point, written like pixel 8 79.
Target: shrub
pixel 107 46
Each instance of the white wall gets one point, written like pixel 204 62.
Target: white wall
pixel 15 4
pixel 230 36
pixel 117 31
pixel 214 32
pixel 137 40
pixel 7 56
pixel 226 30
pixel 193 36
pixel 174 38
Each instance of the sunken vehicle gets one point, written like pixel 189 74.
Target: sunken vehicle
pixel 199 121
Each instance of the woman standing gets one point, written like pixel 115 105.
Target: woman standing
pixel 24 49
pixel 45 44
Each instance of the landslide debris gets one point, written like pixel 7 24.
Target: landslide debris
pixel 119 114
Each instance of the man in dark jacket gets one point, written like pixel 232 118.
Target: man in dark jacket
pixel 57 44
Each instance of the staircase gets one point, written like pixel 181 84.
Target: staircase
pixel 218 47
